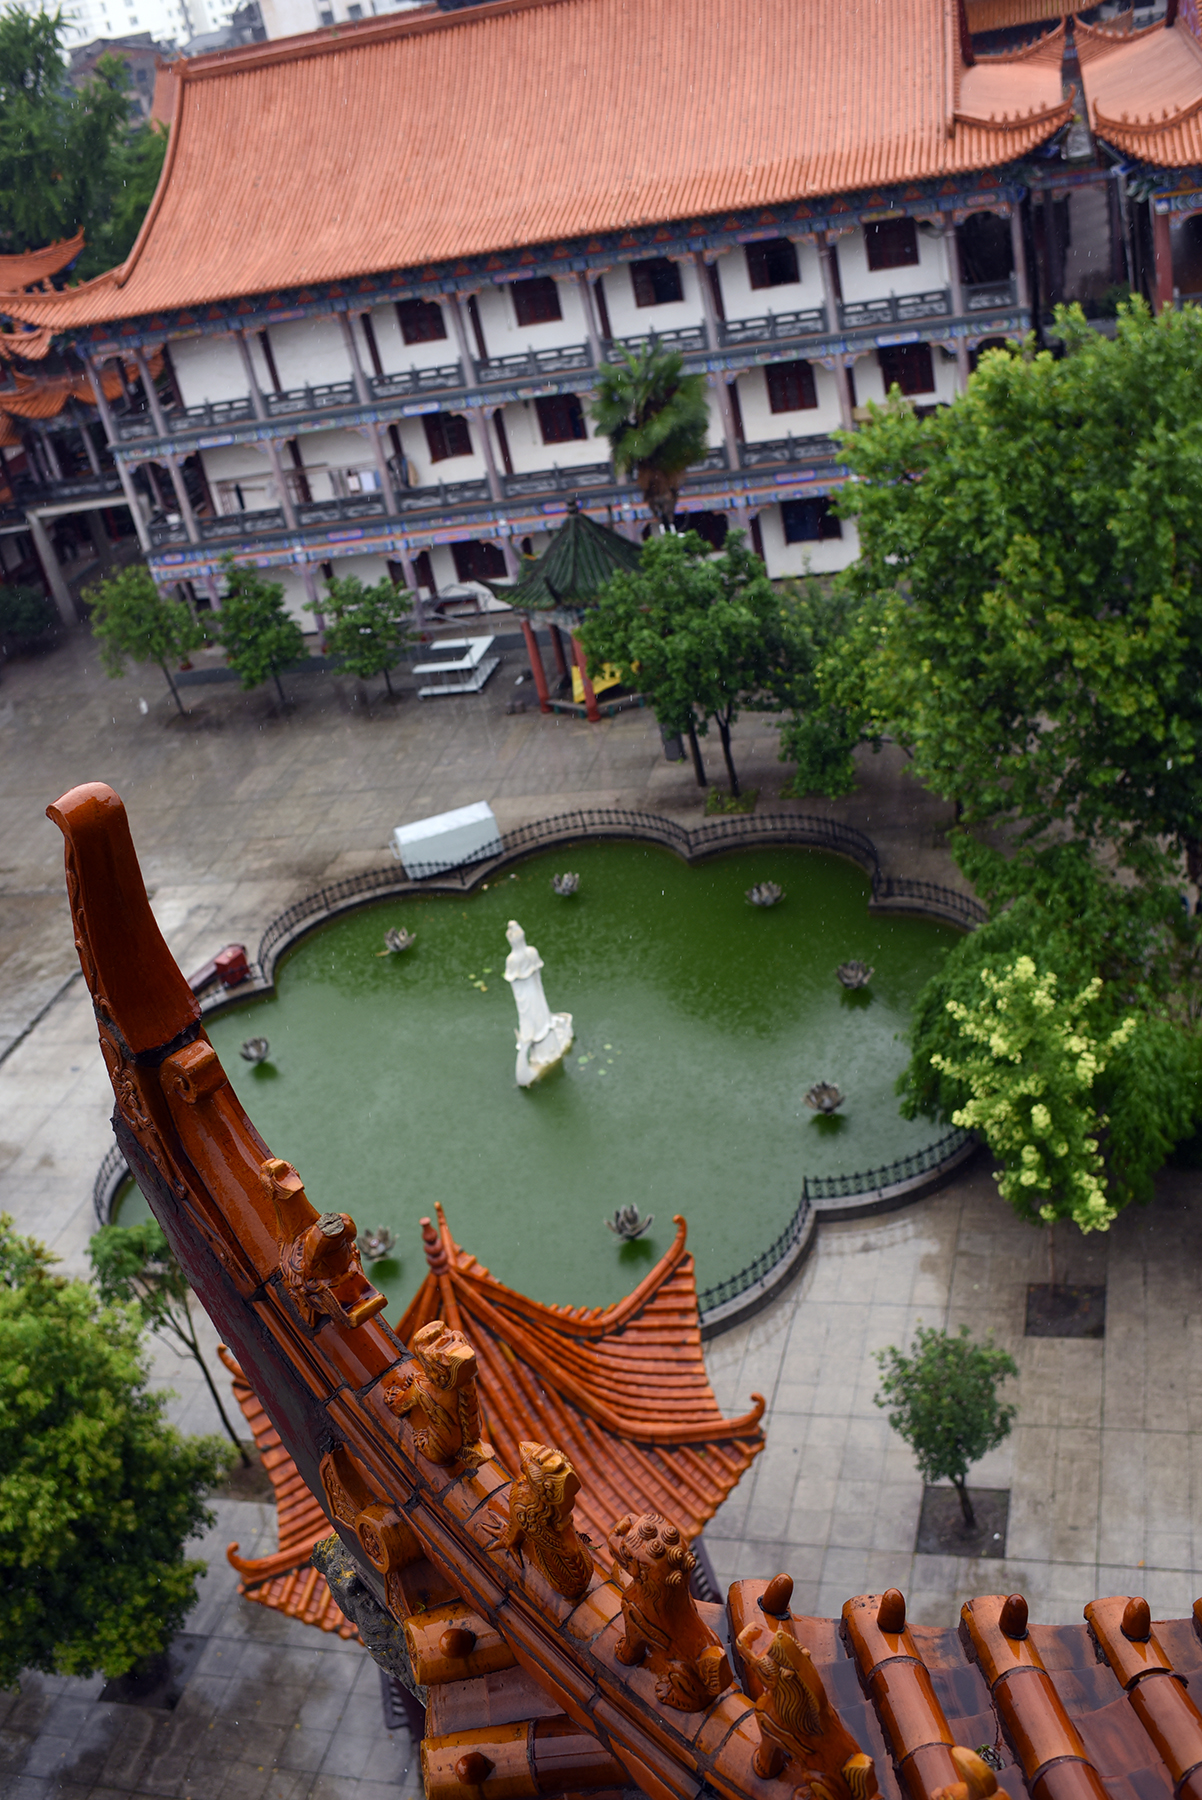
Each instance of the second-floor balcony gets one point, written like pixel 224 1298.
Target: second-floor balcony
pixel 895 309
pixel 688 339
pixel 990 296
pixel 770 328
pixel 535 363
pixel 786 450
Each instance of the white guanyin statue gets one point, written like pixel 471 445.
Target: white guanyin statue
pixel 544 1038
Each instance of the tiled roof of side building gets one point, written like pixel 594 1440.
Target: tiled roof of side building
pixel 27 266
pixel 1144 92
pixel 423 138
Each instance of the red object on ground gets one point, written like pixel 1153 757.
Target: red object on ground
pixel 229 966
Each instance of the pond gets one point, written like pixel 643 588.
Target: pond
pixel 700 1023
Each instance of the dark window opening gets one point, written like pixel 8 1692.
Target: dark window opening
pixel 607 330
pixel 473 313
pixel 892 243
pixel 986 249
pixel 772 264
pixel 498 420
pixel 447 435
pixel 536 302
pixel 712 526
pixel 909 367
pixel 656 282
pixel 476 560
pixel 791 386
pixel 527 546
pixel 373 349
pixel 423 572
pixel 806 521
pixel 421 321
pixel 560 417
pixel 269 359
pixel 354 12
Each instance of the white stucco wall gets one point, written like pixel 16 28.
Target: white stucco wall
pixel 396 354
pixel 526 441
pixel 761 424
pixel 309 351
pixel 208 368
pixel 741 301
pixel 248 465
pixel 821 556
pixel 631 320
pixel 505 337
pixel 859 282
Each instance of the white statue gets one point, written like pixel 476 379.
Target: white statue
pixel 544 1038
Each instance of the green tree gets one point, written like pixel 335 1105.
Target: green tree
pixel 135 166
pixel 824 718
pixel 98 1496
pixel 657 421
pixel 134 1265
pixel 945 1404
pixel 61 149
pixel 132 622
pixel 1134 951
pixel 696 633
pixel 260 636
pixel 367 627
pixel 1031 573
pixel 25 612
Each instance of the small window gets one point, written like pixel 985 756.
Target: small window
pixel 354 12
pixel 805 521
pixel 772 264
pixel 656 282
pixel 421 321
pixel 327 15
pixel 790 386
pixel 478 560
pixel 892 244
pixel 536 302
pixel 909 367
pixel 447 435
pixel 561 418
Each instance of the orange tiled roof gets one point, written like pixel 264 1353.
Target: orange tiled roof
pixel 285 1582
pixel 25 346
pixel 1144 92
pixel 536 120
pixel 45 396
pixel 166 91
pixel 29 266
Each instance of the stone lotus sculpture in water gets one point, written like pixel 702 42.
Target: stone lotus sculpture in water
pixel 544 1038
pixel 855 974
pixel 565 885
pixel 628 1223
pixel 255 1050
pixel 824 1097
pixel 378 1244
pixel 765 893
pixel 396 941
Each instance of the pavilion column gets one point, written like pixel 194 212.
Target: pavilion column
pixel 152 394
pixel 591 709
pixel 830 290
pixel 52 569
pixel 287 504
pixel 536 665
pixel 1018 252
pixel 387 485
pixel 957 287
pixel 252 380
pixel 1162 247
pixel 132 499
pixel 459 326
pixel 411 582
pixel 479 417
pixel 89 448
pixel 717 382
pixel 50 453
pixel 314 598
pixel 590 320
pixel 183 500
pixel 561 661
pixel 364 396
pixel 152 476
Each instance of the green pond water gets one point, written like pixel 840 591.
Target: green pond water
pixel 700 1022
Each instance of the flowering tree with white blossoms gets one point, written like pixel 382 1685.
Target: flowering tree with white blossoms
pixel 1029 1064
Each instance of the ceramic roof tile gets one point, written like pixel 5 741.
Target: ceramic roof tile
pixel 304 160
pixel 28 266
pixel 1144 92
pixel 577 562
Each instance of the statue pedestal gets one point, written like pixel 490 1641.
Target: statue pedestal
pixel 537 1059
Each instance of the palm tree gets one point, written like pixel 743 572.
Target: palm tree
pixel 656 419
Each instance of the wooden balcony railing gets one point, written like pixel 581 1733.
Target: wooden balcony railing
pixel 896 309
pixel 535 363
pixel 788 450
pixel 770 328
pixel 686 338
pixel 985 296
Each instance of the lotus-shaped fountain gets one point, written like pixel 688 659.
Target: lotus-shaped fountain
pixel 377 1244
pixel 395 941
pixel 824 1097
pixel 628 1223
pixel 565 885
pixel 765 893
pixel 855 974
pixel 256 1050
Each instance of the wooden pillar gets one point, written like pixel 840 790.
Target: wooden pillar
pixel 256 392
pixel 830 289
pixel 50 453
pixel 134 502
pixel 957 287
pixel 52 569
pixel 1018 250
pixel 411 582
pixel 152 394
pixel 89 448
pixel 536 665
pixel 592 711
pixel 1162 247
pixel 590 322
pixel 183 501
pixel 287 503
pixel 561 661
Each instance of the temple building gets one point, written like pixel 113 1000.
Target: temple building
pixel 380 337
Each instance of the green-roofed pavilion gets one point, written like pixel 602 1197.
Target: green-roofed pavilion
pixel 559 586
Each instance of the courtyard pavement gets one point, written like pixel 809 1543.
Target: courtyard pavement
pixel 243 808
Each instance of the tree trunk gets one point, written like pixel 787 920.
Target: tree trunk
pixel 970 1517
pixel 204 1369
pixel 279 686
pixel 1193 867
pixel 179 706
pixel 695 752
pixel 388 685
pixel 724 734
